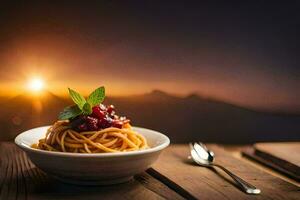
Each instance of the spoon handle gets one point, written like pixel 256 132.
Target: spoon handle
pixel 246 187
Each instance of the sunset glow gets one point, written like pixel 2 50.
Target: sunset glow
pixel 35 84
pixel 215 58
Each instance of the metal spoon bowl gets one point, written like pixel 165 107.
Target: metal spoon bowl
pixel 204 157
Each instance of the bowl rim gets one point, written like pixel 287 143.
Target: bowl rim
pixel 18 142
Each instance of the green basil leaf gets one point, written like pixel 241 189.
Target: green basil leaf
pixel 77 98
pixel 87 109
pixel 69 112
pixel 96 97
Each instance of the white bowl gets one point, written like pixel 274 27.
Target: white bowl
pixel 95 168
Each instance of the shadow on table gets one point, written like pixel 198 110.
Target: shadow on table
pixel 40 185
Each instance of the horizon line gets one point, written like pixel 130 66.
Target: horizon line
pixel 261 109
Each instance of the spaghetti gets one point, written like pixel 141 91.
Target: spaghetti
pixel 60 137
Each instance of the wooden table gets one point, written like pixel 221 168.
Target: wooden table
pixel 173 176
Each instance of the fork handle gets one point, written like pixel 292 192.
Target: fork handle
pixel 246 187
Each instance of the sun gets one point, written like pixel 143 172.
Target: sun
pixel 36 84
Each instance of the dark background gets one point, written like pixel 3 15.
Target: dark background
pixel 216 72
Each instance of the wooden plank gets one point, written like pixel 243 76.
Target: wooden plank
pixel 157 186
pixel 249 152
pixel 175 170
pixel 284 155
pixel 284 150
pixel 20 179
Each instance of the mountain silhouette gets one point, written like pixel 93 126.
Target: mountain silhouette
pixel 183 119
pixel 26 111
pixel 194 118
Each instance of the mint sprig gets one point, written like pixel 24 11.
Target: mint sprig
pixel 87 109
pixel 69 112
pixel 77 98
pixel 97 96
pixel 82 106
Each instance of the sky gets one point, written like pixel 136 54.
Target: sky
pixel 244 53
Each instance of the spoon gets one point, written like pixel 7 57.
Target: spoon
pixel 204 157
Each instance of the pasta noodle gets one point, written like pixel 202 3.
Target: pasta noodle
pixel 60 137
